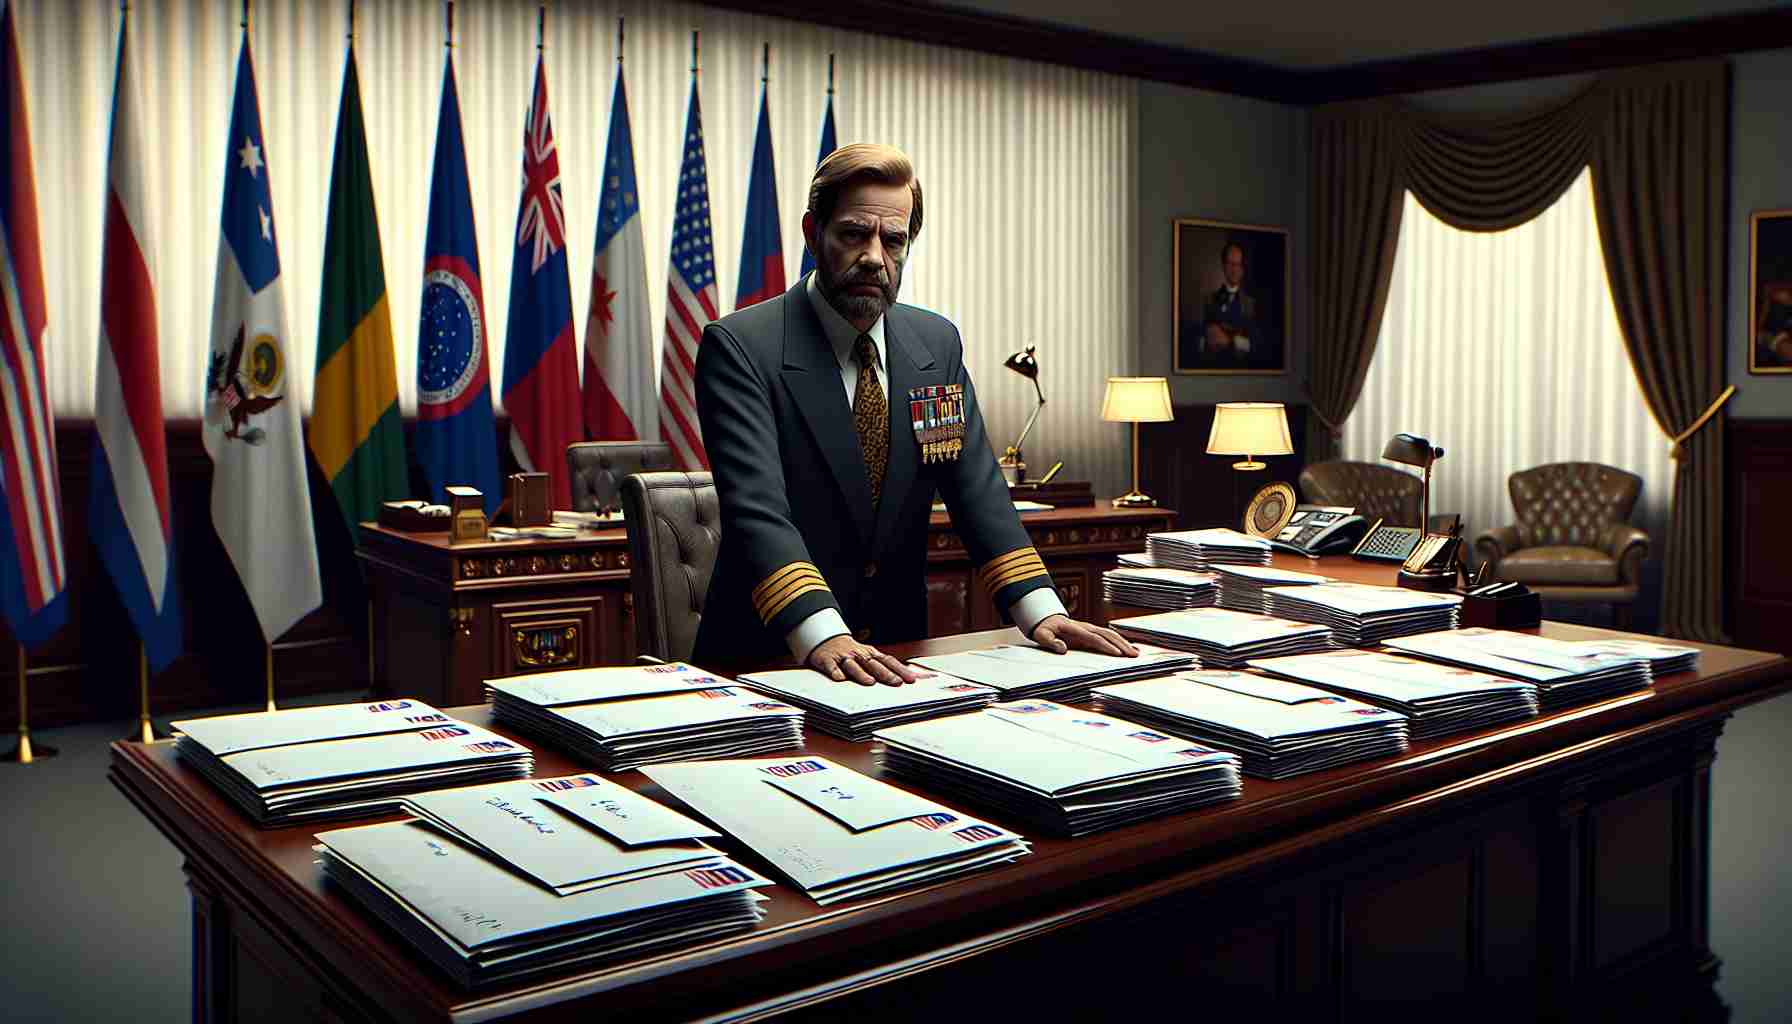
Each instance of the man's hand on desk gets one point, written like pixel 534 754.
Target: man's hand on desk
pixel 841 658
pixel 1060 633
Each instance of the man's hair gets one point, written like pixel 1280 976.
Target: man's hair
pixel 1242 254
pixel 860 162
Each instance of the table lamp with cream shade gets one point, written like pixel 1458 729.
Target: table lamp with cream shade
pixel 1136 400
pixel 1250 428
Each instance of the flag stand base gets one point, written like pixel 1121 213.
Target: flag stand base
pixel 145 731
pixel 25 752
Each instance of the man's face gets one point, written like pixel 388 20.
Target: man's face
pixel 859 253
pixel 1234 266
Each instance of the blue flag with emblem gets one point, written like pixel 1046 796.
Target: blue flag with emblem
pixel 456 443
pixel 261 502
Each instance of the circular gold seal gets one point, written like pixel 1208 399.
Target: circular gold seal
pixel 1270 510
pixel 263 368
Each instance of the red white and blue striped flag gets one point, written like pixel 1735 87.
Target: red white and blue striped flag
pixel 690 298
pixel 827 146
pixel 541 359
pixel 33 576
pixel 129 513
pixel 762 246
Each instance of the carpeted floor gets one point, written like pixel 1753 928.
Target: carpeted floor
pixel 95 917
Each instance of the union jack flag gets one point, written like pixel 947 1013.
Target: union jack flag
pixel 716 878
pixel 934 822
pixel 977 833
pixel 544 212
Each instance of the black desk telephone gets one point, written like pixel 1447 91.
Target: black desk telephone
pixel 1329 529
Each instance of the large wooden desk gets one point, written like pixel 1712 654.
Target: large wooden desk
pixel 1540 868
pixel 447 617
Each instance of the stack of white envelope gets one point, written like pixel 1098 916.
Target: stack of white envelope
pixel 342 760
pixel 1067 770
pixel 624 717
pixel 1242 586
pixel 834 833
pixel 1436 699
pixel 1663 658
pixel 1020 671
pixel 1360 614
pixel 1224 638
pixel 1159 588
pixel 1279 728
pixel 1564 672
pixel 1203 549
pixel 853 712
pixel 1134 560
pixel 500 881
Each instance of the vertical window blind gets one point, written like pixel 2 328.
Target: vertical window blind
pixel 1504 349
pixel 1028 171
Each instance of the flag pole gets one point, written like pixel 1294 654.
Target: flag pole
pixel 270 670
pixel 696 52
pixel 621 37
pixel 541 26
pixel 830 76
pixel 145 732
pixel 765 67
pixel 451 24
pixel 24 752
pixel 351 24
pixel 245 17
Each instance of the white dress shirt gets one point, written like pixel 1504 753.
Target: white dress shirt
pixel 1028 611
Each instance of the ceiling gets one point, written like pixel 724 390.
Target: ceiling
pixel 1307 35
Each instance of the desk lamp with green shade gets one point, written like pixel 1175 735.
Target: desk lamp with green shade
pixel 1136 400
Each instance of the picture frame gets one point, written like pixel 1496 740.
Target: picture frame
pixel 1233 302
pixel 1770 292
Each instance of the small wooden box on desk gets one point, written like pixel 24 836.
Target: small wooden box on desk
pixel 448 616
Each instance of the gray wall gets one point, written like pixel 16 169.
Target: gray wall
pixel 1217 157
pixel 1760 179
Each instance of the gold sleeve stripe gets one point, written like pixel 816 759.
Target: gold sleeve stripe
pixel 1002 560
pixel 1018 576
pixel 794 582
pixel 778 576
pixel 1013 570
pixel 771 611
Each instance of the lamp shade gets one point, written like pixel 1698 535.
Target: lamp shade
pixel 1137 400
pixel 1250 428
pixel 1411 450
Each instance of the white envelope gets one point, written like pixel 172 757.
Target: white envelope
pixel 369 755
pixel 1279 690
pixel 674 711
pixel 585 685
pixel 810 686
pixel 229 734
pixel 621 813
pixel 852 799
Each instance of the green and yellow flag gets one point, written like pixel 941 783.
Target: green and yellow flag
pixel 356 436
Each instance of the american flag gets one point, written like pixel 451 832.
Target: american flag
pixel 932 822
pixel 33 578
pixel 716 878
pixel 690 298
pixel 977 834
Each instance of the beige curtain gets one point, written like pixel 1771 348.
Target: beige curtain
pixel 1655 140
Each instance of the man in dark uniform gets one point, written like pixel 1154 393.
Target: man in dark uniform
pixel 811 406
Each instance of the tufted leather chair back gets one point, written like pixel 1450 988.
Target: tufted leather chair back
pixel 598 467
pixel 1571 503
pixel 1378 492
pixel 674 525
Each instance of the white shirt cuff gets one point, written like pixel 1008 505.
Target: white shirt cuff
pixel 1032 608
pixel 809 633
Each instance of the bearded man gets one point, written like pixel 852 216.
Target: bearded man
pixel 831 414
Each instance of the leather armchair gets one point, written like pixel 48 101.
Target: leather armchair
pixel 1573 540
pixel 597 469
pixel 1377 492
pixel 674 524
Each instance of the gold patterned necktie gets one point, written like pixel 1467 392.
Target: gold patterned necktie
pixel 871 415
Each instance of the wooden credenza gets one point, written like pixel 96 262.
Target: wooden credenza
pixel 447 617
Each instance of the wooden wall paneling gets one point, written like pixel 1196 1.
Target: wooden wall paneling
pixel 1204 489
pixel 1758 497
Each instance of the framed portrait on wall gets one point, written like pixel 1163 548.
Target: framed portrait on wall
pixel 1770 292
pixel 1233 301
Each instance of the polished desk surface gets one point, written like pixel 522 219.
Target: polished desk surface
pixel 1062 882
